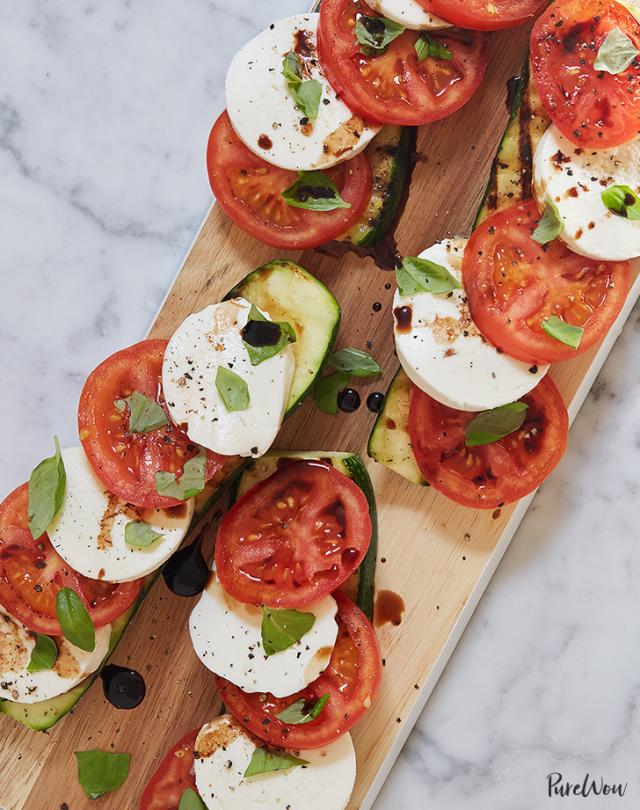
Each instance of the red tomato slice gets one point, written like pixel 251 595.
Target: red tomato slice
pixel 483 16
pixel 513 284
pixel 294 537
pixel 488 476
pixel 351 680
pixel 250 191
pixel 172 777
pixel 594 109
pixel 125 462
pixel 393 87
pixel 32 572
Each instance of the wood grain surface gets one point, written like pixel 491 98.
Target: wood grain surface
pixel 432 553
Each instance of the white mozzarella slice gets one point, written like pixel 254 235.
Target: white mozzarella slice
pixel 201 344
pixel 72 664
pixel 226 635
pixel 89 530
pixel 224 750
pixel 573 178
pixel 265 115
pixel 408 13
pixel 443 352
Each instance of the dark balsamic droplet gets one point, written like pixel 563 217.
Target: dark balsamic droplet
pixel 375 401
pixel 123 688
pixel 186 572
pixel 261 333
pixel 377 306
pixel 348 400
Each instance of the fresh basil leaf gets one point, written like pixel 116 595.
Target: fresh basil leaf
pixel 43 655
pixel 46 492
pixel 428 46
pixel 282 333
pixel 307 96
pixel 353 361
pixel 375 33
pixel 489 426
pixel 281 629
pixel 622 200
pixel 233 390
pixel 564 332
pixel 75 622
pixel 189 484
pixel 265 760
pixel 300 712
pixel 139 534
pixel 616 53
pixel 314 191
pixel 100 772
pixel 190 800
pixel 145 414
pixel 292 68
pixel 421 275
pixel 325 393
pixel 551 224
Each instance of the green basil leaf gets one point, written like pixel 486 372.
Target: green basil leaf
pixel 257 354
pixel 307 96
pixel 353 361
pixel 325 393
pixel 265 760
pixel 375 33
pixel 421 275
pixel 551 225
pixel 428 46
pixel 281 629
pixel 233 389
pixel 46 492
pixel 564 332
pixel 300 712
pixel 190 483
pixel 145 414
pixel 75 622
pixel 100 772
pixel 616 53
pixel 190 800
pixel 489 426
pixel 622 200
pixel 292 68
pixel 139 534
pixel 43 655
pixel 314 191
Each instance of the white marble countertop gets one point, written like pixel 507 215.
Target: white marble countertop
pixel 105 110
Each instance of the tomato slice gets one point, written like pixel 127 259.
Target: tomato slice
pixel 351 680
pixel 393 87
pixel 250 191
pixel 125 462
pixel 594 109
pixel 490 475
pixel 32 572
pixel 514 284
pixel 483 16
pixel 294 537
pixel 172 777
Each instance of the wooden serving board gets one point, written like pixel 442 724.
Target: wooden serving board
pixel 434 556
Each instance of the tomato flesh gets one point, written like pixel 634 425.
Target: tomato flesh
pixel 483 16
pixel 352 679
pixel 172 777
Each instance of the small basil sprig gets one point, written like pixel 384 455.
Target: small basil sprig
pixel 145 414
pixel 489 426
pixel 265 760
pixel 139 534
pixel 428 46
pixel 307 94
pixel 100 772
pixel 422 275
pixel 314 191
pixel 43 655
pixel 300 712
pixel 622 200
pixel 375 34
pixel 616 53
pixel 281 629
pixel 346 362
pixel 190 483
pixel 281 334
pixel 233 390
pixel 325 393
pixel 46 492
pixel 75 622
pixel 551 224
pixel 190 800
pixel 564 332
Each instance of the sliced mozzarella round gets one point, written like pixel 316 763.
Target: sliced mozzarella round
pixel 201 344
pixel 443 352
pixel 574 178
pixel 265 115
pixel 226 635
pixel 408 13
pixel 89 530
pixel 72 664
pixel 224 749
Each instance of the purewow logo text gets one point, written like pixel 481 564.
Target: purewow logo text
pixel 588 787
